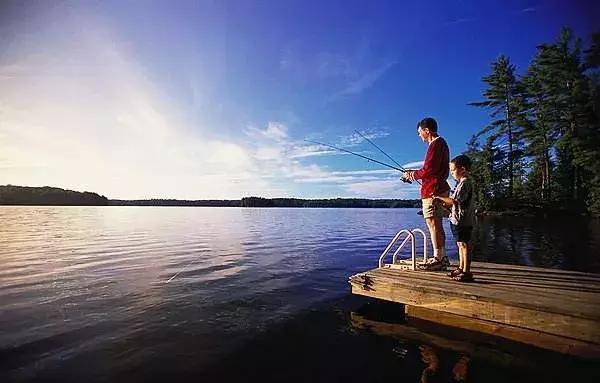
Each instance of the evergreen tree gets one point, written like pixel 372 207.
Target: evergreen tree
pixel 592 67
pixel 503 100
pixel 565 110
pixel 538 134
pixel 482 174
pixel 544 137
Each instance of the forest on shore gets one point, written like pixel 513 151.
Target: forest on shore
pixel 24 195
pixel 46 195
pixel 541 148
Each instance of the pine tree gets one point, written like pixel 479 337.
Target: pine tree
pixel 538 133
pixel 486 179
pixel 564 109
pixel 592 68
pixel 504 102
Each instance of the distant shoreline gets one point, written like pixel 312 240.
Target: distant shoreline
pixel 11 195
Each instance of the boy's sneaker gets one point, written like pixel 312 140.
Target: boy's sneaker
pixel 434 264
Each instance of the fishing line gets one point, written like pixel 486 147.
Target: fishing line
pixel 381 150
pixel 400 168
pixel 378 148
pixel 356 154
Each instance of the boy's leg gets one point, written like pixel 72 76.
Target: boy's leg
pixel 462 252
pixel 467 257
pixel 466 239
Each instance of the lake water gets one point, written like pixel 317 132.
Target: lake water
pixel 102 294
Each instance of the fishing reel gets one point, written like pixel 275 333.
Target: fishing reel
pixel 405 180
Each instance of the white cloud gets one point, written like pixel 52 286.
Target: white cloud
pixel 413 165
pixel 355 138
pixel 389 188
pixel 78 112
pixel 364 82
pixel 274 131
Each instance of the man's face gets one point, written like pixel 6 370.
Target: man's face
pixel 423 133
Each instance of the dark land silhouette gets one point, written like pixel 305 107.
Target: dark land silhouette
pixel 24 195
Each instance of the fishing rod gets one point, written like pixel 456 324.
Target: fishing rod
pixel 381 150
pixel 400 169
pixel 378 148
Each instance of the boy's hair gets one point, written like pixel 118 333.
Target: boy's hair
pixel 462 161
pixel 428 123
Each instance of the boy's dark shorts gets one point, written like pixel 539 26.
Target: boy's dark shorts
pixel 461 233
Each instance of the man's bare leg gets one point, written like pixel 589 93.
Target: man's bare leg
pixel 437 234
pixel 433 234
pixel 441 236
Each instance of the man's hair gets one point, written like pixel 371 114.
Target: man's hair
pixel 428 123
pixel 462 161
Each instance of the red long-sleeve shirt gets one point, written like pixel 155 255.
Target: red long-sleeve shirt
pixel 434 172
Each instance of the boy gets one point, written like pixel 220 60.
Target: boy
pixel 461 216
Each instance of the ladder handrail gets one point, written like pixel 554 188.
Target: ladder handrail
pixel 410 236
pixel 413 250
pixel 424 242
pixel 392 243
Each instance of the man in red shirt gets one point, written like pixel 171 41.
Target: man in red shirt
pixel 434 174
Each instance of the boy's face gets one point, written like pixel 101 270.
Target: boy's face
pixel 456 173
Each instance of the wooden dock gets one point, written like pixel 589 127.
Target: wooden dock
pixel 552 309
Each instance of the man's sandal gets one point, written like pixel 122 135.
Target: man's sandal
pixel 464 277
pixel 455 272
pixel 434 264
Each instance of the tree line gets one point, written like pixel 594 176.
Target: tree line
pixel 24 195
pixel 541 147
pixel 333 202
pixel 175 202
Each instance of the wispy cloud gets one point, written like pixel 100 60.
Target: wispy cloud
pixel 460 21
pixel 413 165
pixel 355 139
pixel 528 10
pixel 310 151
pixel 108 129
pixel 79 111
pixel 291 160
pixel 364 82
pixel 390 188
pixel 274 131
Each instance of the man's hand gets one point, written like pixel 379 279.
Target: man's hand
pixel 408 175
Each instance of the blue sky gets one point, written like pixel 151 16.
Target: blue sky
pixel 214 99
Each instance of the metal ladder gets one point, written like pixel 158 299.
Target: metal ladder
pixel 404 264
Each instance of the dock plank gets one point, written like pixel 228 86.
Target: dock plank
pixel 531 303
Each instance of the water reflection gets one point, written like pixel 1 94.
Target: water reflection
pixel 433 371
pixel 556 242
pixel 84 293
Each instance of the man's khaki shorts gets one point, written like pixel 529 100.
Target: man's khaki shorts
pixel 435 209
